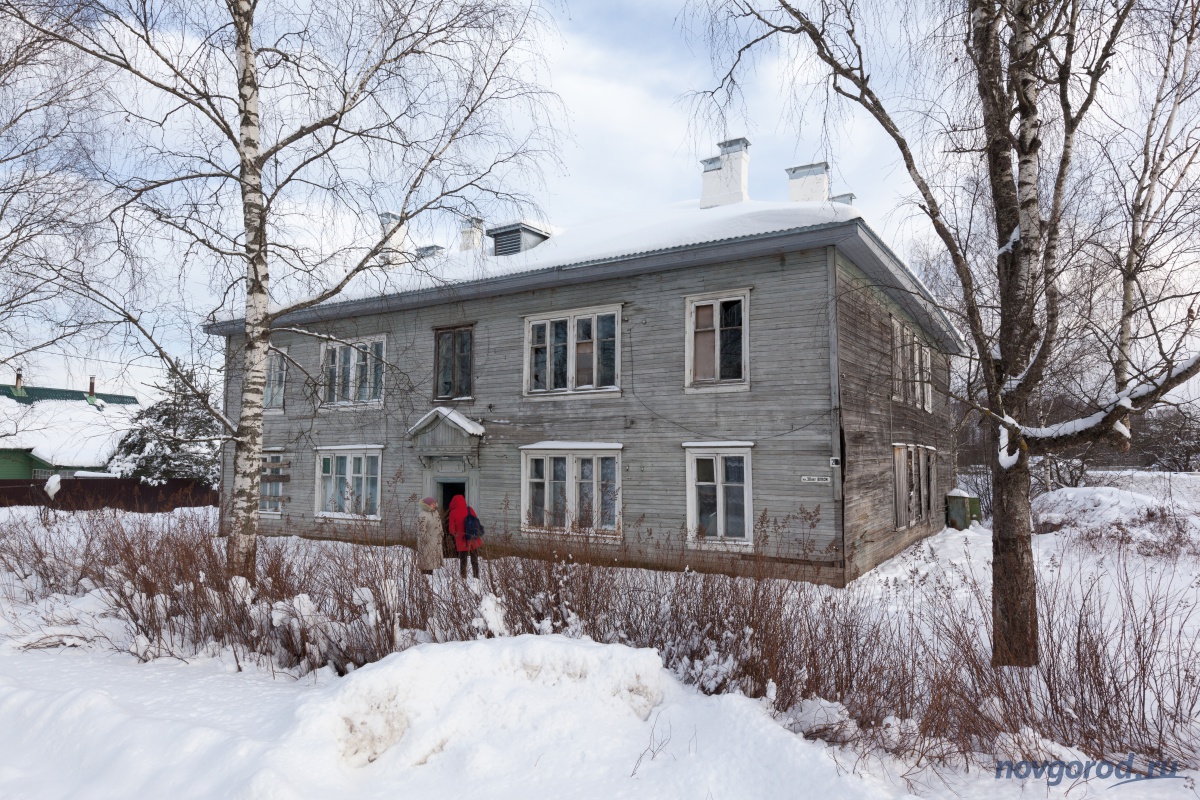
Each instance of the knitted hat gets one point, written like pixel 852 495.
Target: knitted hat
pixel 429 501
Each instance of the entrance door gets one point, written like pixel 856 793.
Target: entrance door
pixel 447 490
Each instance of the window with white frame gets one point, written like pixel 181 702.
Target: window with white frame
pixel 276 378
pixel 352 373
pixel 719 493
pixel 270 487
pixel 573 490
pixel 717 347
pixel 575 351
pixel 914 484
pixel 348 482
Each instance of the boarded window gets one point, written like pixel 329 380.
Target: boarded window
pixel 914 482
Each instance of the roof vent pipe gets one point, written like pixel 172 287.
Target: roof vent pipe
pixel 92 386
pixel 726 177
pixel 808 183
pixel 20 384
pixel 471 234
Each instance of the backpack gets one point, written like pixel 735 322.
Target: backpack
pixel 472 527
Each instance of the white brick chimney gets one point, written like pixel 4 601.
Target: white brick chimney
pixel 726 177
pixel 808 183
pixel 471 234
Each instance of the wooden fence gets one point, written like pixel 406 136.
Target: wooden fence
pixel 126 494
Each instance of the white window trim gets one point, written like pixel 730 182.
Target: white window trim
pixel 347 450
pixel 281 409
pixel 572 455
pixel 366 342
pixel 570 315
pixel 715 450
pixel 690 303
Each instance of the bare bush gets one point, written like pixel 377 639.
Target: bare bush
pixel 900 665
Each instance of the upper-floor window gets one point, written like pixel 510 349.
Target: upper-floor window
pixel 575 351
pixel 912 368
pixel 348 482
pixel 353 373
pixel 453 363
pixel 276 378
pixel 718 341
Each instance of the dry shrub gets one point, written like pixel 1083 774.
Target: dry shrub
pixel 903 667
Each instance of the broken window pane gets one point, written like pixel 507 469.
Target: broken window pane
pixel 731 340
pixel 606 340
pixel 704 346
pixel 558 356
pixel 583 352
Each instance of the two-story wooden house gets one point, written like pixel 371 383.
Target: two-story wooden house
pixel 729 385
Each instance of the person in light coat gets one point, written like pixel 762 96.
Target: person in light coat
pixel 429 537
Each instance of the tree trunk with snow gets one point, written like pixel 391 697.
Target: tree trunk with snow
pixel 1014 586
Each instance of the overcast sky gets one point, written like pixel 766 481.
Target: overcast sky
pixel 624 70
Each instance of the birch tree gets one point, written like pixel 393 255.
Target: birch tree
pixel 261 140
pixel 1052 145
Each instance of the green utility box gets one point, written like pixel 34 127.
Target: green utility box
pixel 962 510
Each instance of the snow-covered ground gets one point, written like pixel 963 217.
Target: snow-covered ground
pixel 523 717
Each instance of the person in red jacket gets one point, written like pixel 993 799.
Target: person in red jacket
pixel 457 522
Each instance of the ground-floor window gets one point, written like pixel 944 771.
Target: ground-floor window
pixel 914 483
pixel 270 487
pixel 572 489
pixel 348 483
pixel 719 496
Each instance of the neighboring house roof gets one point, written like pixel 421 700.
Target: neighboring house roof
pixel 682 235
pixel 69 432
pixel 33 394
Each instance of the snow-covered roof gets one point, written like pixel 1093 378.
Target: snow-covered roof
pixel 65 433
pixel 632 244
pixel 677 225
pixel 450 415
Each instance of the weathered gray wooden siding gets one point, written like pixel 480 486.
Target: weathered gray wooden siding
pixel 872 421
pixel 786 412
